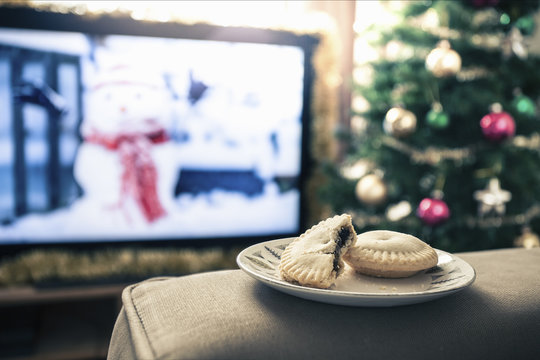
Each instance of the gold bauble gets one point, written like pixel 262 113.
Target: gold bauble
pixel 443 61
pixel 399 122
pixel 371 190
pixel 399 211
pixel 527 240
pixel 357 169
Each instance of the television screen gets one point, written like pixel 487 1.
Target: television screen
pixel 113 133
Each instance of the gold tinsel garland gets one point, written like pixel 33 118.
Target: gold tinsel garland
pixel 431 155
pixel 497 221
pixel 434 155
pixel 42 265
pixel 531 142
pixel 128 264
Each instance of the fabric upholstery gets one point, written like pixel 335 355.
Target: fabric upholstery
pixel 228 315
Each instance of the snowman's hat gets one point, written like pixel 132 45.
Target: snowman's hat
pixel 127 74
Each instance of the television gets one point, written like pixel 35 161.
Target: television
pixel 116 131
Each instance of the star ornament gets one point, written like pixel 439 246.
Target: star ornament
pixel 492 198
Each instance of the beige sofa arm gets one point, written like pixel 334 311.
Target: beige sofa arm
pixel 228 315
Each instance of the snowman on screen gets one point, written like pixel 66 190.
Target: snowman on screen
pixel 125 164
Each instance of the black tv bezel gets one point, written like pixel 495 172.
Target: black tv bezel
pixel 25 17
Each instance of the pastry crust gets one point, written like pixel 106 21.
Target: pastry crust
pixel 315 257
pixel 391 254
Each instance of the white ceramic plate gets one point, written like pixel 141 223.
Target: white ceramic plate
pixel 451 274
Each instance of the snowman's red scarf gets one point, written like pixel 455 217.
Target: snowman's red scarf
pixel 139 178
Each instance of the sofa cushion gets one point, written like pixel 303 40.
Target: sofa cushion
pixel 228 315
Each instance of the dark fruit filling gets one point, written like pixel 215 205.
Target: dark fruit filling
pixel 343 235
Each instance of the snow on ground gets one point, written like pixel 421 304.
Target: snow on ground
pixel 215 214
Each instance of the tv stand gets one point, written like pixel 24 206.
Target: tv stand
pixel 73 322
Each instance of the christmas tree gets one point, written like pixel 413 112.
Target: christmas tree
pixel 445 143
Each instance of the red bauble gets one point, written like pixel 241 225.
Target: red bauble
pixel 497 126
pixel 433 211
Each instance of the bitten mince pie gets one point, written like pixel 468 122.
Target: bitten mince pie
pixel 390 254
pixel 315 258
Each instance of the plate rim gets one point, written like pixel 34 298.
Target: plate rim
pixel 275 283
